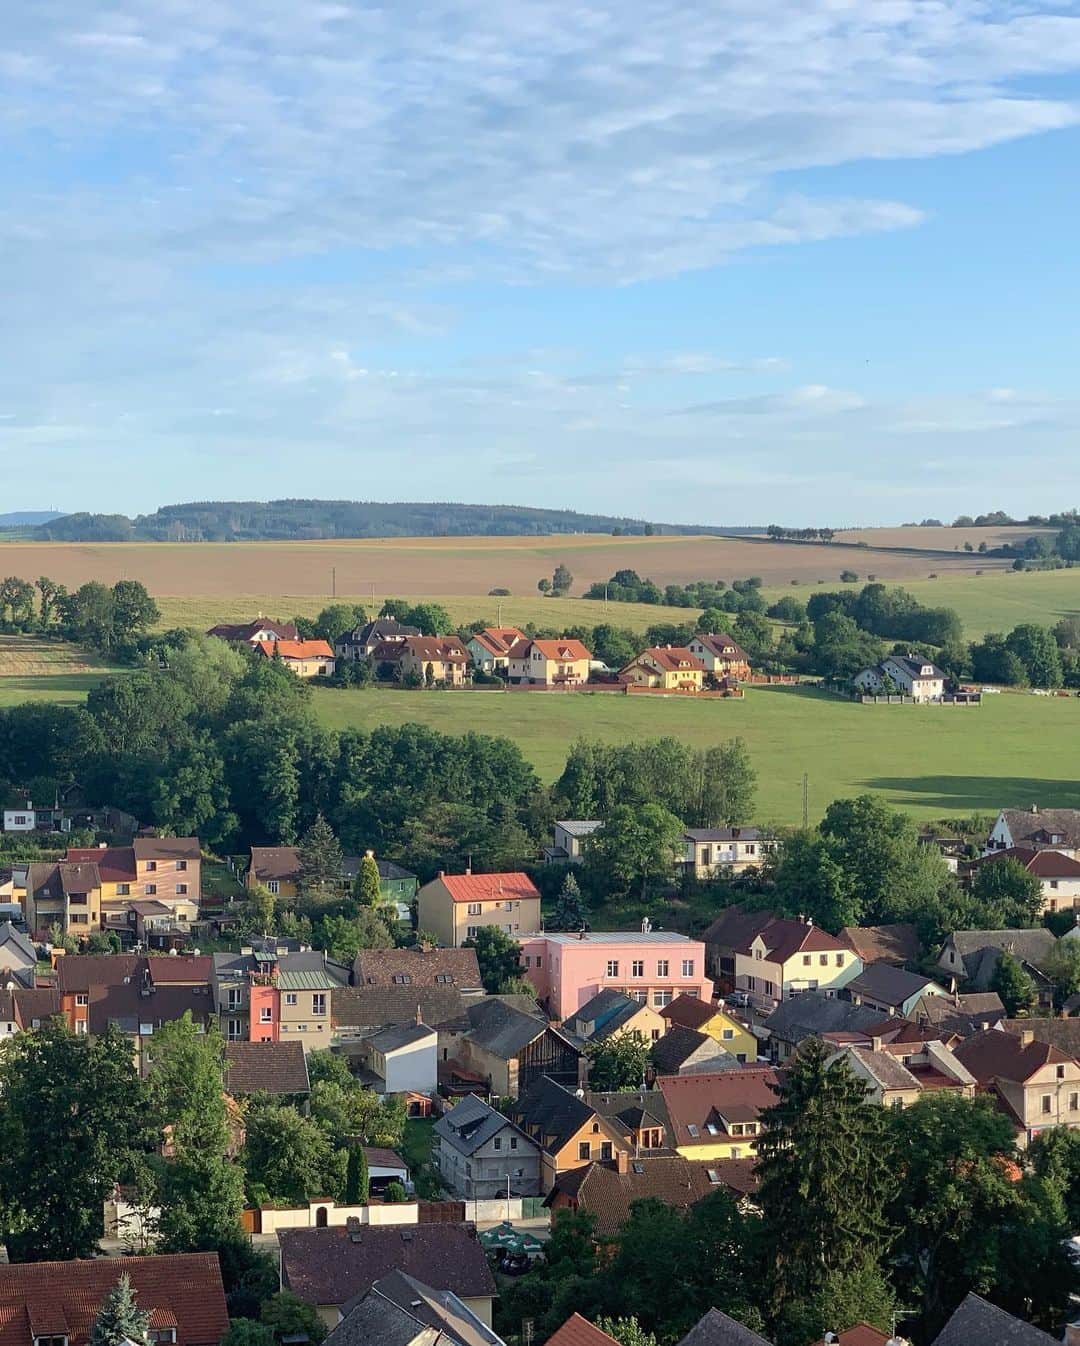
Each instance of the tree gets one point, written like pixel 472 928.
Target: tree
pixel 726 785
pixel 395 1193
pixel 561 580
pixel 544 585
pixel 50 592
pixel 134 611
pixel 247 1332
pixel 321 861
pixel 367 888
pixel 344 936
pixel 289 1317
pixel 637 844
pixel 841 649
pixel 570 912
pixel 618 1062
pixel 809 881
pixel 337 619
pixel 119 1319
pixel 54 1178
pixel 289 1158
pixel 89 614
pixel 1013 985
pixel 498 956
pixel 356 1177
pixel 1037 650
pixel 821 1141
pixel 261 905
pixel 16 598
pixel 1011 895
pixel 626 1331
pixel 754 633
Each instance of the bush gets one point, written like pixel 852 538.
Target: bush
pixel 498 593
pixel 395 1194
pixel 848 577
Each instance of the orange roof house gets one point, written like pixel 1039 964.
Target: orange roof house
pixel 453 907
pixel 673 668
pixel 550 663
pixel 306 658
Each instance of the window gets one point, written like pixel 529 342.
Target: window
pixel 123 889
pixel 151 890
pixel 290 997
pixel 584 1150
pixel 613 967
pixel 728 1034
pixel 839 960
pixel 1046 1102
pixel 637 967
pixel 266 1015
pixel 79 920
pixel 1053 883
pixel 402 979
pixel 181 889
pixel 539 961
pixel 318 1004
pixel 443 979
pixel 82 999
pixel 642 997
pixel 272 886
pixel 656 1035
pixel 661 998
pixel 146 1030
pixel 497 1143
pixel 757 953
pixel 77 899
pixel 234 998
pixel 807 959
pixel 51 1341
pixel 151 866
pixel 605 1149
pixel 513 1142
pixel 713 1176
pixel 1060 1072
pixel 688 967
pixel 1074 1102
pixel 509 906
pixel 181 865
pixel 528 961
pixel 234 1030
pixel 471 931
pixel 661 967
pixel 474 908
pixel 823 959
pixel 692 1129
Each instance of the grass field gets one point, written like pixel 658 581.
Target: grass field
pixel 933 761
pixel 45 670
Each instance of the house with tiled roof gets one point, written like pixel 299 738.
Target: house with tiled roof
pixel 892 990
pixel 266 1068
pixel 717 1020
pixel 718 1116
pixel 898 1074
pixel 961 1014
pixel 787 957
pixel 262 995
pixel 165 870
pixel 578 1331
pixel 610 1013
pixel 18 957
pixel 56 1303
pixel 570 1132
pixel 896 944
pixel 262 630
pixel 551 663
pixel 421 965
pixel 735 925
pixel 364 640
pixel 440 661
pixel 971 957
pixel 490 649
pixel 683 1051
pixel 63 894
pixel 815 1014
pixel 717 1329
pixel 714 851
pixel 1036 828
pixel 571 836
pixel 1037 1083
pixel 667 667
pixel 977 1322
pixel 1058 873
pixel 507 1048
pixel 305 658
pixel 859 1334
pixel 400 1310
pixel 334 1268
pixel 606 1191
pixel 721 654
pixel 481 1153
pixel 454 907
pixel 904 675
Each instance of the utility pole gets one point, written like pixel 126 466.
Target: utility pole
pixel 500 616
pixel 333 581
pixel 805 801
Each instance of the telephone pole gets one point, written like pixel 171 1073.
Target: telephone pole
pixel 805 801
pixel 333 581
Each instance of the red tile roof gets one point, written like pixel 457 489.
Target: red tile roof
pixel 733 1095
pixel 248 630
pixel 489 887
pixel 675 659
pixel 116 864
pixel 992 1055
pixel 64 1297
pixel 783 939
pixel 578 1331
pixel 499 639
pixel 445 649
pixel 862 1334
pixel 561 649
pixel 1044 864
pixel 296 649
pixel 689 1011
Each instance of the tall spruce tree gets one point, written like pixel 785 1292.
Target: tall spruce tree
pixel 119 1318
pixel 825 1182
pixel 570 913
pixel 321 861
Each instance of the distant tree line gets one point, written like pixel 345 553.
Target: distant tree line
pixel 627 586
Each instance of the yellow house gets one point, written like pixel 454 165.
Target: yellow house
pixel 454 907
pixel 718 1116
pixel 276 868
pixel 611 1013
pixel 569 1131
pixel 715 1022
pixel 670 667
pixel 64 895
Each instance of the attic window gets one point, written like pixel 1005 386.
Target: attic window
pixel 444 978
pixel 694 1132
pixel 639 1169
pixel 402 979
pixel 712 1129
pixel 713 1176
pixel 59 1340
pixel 162 1334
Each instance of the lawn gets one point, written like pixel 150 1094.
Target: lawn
pixel 416 1151
pixel 32 669
pixel 1014 749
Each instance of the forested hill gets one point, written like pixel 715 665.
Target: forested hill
pixel 253 520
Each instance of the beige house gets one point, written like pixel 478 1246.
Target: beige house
pixel 1038 1083
pixel 897 1074
pixel 436 659
pixel 306 658
pixel 551 663
pixel 610 1014
pixel 787 957
pixel 674 669
pixel 490 648
pixel 64 895
pixel 454 907
pixel 712 851
pixel 722 656
pixel 1058 873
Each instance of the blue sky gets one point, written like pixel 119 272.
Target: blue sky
pixel 696 260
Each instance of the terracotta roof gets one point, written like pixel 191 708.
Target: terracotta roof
pixel 418 967
pixel 245 631
pixel 674 658
pixel 489 887
pixel 75 974
pixel 992 1055
pixel 379 1154
pixel 783 939
pixel 607 1193
pixel 65 1296
pixel 166 848
pixel 330 1266
pixel 732 1095
pixel 736 926
pixel 499 640
pixel 444 649
pixel 266 1067
pixel 882 943
pixel 557 650
pixel 723 646
pixel 1064 1034
pixel 116 864
pixel 180 968
pixel 578 1331
pixel 387 651
pixel 689 1011
pixel 297 649
pixel 1044 864
pixel 862 1334
pixel 39 1003
pixel 275 863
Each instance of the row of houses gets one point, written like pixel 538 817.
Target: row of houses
pixel 396 649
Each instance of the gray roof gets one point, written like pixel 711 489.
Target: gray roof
pixel 679 1044
pixel 401 1035
pixel 471 1123
pixel 1032 946
pixel 16 938
pixel 979 1323
pixel 501 1029
pixel 914 667
pixel 615 937
pixel 555 1112
pixel 579 827
pixel 891 985
pixel 1030 827
pixel 399 1310
pixel 813 1012
pixel 717 1329
pixel 723 833
pixel 605 1013
pixel 885 1068
pixel 629 1110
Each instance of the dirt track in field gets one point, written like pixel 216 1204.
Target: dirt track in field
pixel 462 566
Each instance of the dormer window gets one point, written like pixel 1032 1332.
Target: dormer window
pixel 162 1334
pixel 60 1339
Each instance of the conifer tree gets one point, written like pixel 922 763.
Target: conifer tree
pixel 321 861
pixel 570 911
pixel 367 889
pixel 119 1318
pixel 356 1178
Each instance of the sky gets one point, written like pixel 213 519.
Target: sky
pixel 701 261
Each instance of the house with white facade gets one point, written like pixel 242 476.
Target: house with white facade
pixel 570 839
pixel 480 1153
pixel 903 675
pixel 1058 874
pixel 712 850
pixel 403 1058
pixel 785 958
pixel 1036 829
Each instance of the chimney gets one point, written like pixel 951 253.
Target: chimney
pixel 1027 1037
pixel 468 869
pixel 622 1162
pixel 442 873
pixel 581 933
pixel 419 1016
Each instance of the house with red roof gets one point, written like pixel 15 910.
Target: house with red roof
pixel 454 907
pixel 306 658
pixel 490 649
pixel 435 660
pixel 56 1303
pixel 667 667
pixel 549 663
pixel 783 958
pixel 1036 1083
pixel 1057 871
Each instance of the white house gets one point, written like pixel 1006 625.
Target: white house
pixel 404 1058
pixel 568 843
pixel 490 649
pixel 1036 829
pixel 917 678
pixel 480 1153
pixel 27 818
pixel 786 957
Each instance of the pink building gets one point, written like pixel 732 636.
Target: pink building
pixel 654 967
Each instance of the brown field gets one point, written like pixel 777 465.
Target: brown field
pixel 456 566
pixel 938 539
